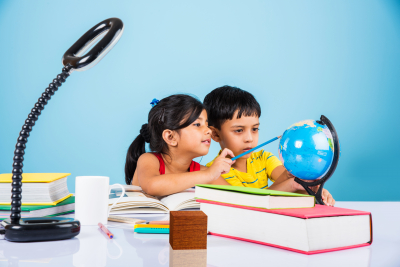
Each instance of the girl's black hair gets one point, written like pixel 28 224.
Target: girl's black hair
pixel 174 112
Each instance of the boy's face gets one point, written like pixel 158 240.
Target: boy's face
pixel 238 135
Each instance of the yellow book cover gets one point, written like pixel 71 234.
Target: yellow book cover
pixel 34 177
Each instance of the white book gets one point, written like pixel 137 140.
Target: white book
pixel 308 231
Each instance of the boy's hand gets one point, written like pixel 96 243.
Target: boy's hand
pixel 221 164
pixel 327 198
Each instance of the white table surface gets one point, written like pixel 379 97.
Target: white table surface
pixel 92 248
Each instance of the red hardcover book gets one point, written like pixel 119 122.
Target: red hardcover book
pixel 306 230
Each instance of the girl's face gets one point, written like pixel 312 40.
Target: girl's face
pixel 196 138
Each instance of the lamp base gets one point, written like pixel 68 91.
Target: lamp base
pixel 41 229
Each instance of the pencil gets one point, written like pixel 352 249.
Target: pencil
pixel 105 230
pixel 257 147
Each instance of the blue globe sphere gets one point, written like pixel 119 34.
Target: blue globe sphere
pixel 306 149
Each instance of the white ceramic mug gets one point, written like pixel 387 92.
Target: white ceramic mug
pixel 92 197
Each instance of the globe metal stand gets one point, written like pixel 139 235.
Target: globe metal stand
pixel 318 195
pixel 56 228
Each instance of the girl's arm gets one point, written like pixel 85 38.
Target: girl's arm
pixel 160 185
pixel 219 181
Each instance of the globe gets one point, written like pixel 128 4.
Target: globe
pixel 306 149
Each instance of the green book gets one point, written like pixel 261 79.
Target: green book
pixel 65 206
pixel 253 197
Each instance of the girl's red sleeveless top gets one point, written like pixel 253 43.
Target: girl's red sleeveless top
pixel 194 166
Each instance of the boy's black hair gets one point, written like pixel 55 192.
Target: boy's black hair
pixel 222 103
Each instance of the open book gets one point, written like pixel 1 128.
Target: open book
pixel 136 201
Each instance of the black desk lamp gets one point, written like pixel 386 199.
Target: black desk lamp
pixel 40 229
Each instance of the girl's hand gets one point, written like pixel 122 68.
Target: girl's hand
pixel 221 164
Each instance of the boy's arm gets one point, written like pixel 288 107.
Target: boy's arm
pixel 284 181
pixel 279 175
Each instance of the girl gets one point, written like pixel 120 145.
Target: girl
pixel 178 132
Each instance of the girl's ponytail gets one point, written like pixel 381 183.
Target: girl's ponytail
pixel 136 149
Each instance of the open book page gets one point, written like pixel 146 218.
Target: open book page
pixel 181 200
pixel 135 202
pixel 132 188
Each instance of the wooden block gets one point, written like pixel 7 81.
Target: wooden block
pixel 187 258
pixel 188 230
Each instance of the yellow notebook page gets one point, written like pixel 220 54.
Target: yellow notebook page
pixel 34 177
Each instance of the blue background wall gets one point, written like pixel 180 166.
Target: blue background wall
pixel 300 59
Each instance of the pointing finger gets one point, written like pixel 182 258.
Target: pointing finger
pixel 226 152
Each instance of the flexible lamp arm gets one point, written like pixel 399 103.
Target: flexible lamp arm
pixel 110 30
pixel 19 152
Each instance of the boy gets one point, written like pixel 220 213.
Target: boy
pixel 233 117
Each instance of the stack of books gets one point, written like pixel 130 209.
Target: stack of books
pixel 43 194
pixel 283 220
